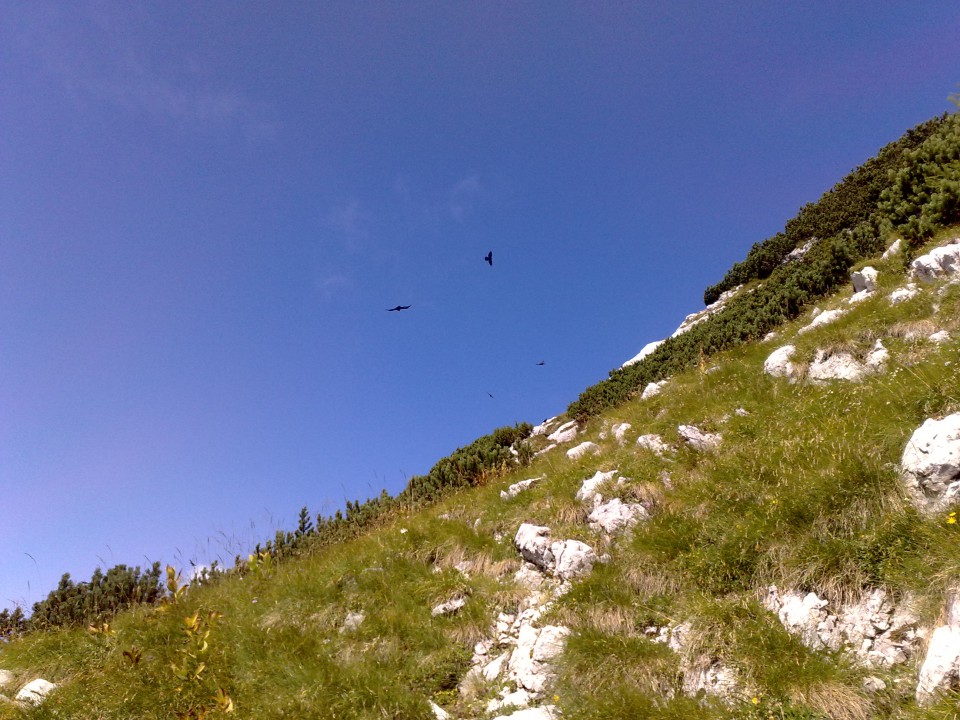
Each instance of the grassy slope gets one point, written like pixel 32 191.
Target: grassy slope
pixel 803 493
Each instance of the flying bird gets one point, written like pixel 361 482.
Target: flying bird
pixel 491 396
pixel 489 258
pixel 542 362
pixel 398 307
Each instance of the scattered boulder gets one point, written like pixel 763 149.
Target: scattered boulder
pixel 799 252
pixel 894 249
pixel 449 607
pixel 589 493
pixel 864 281
pixel 438 712
pixel 940 670
pixel 352 621
pixel 940 262
pixel 652 389
pixel 565 433
pixel 824 318
pixel 903 294
pixel 582 449
pixel 654 443
pixel 616 515
pixel 564 559
pixel 518 487
pixel 930 466
pixel 698 439
pixel 877 356
pixel 620 431
pixel 648 349
pixel 839 366
pixel 939 337
pixel 542 428
pixel 35 692
pixel 778 363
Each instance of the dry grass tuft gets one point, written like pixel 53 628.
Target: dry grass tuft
pixel 836 701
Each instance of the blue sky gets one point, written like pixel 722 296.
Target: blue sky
pixel 207 208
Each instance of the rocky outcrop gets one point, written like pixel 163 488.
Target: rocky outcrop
pixel 903 294
pixel 653 443
pixel 652 390
pixel 620 431
pixel 864 281
pixel 519 487
pixel 778 363
pixel 940 670
pixel 941 262
pixel 565 433
pixel 648 349
pixel 563 559
pixel 35 692
pixel 821 319
pixel 698 439
pixel 615 516
pixel 895 247
pixel 584 448
pixel 872 629
pixel 449 607
pixel 700 674
pixel 844 366
pixel 930 466
pixel 589 491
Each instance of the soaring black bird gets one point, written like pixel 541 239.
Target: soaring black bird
pixel 399 307
pixel 541 363
pixel 491 396
pixel 489 258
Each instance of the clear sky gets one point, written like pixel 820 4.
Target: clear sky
pixel 206 209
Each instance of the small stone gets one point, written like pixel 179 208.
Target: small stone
pixel 654 443
pixel 778 363
pixel 35 692
pixel 697 438
pixel 582 449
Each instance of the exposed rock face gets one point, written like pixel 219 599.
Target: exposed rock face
pixel 616 515
pixel 542 428
pixel 778 363
pixel 841 366
pixel 824 318
pixel 654 443
pixel 648 349
pixel 449 607
pixel 941 667
pixel 799 252
pixel 939 337
pixel 620 431
pixel 652 389
pixel 35 692
pixel 877 633
pixel 438 712
pixel 702 674
pixel 894 249
pixel 903 294
pixel 938 263
pixel 864 281
pixel 698 439
pixel 564 433
pixel 930 466
pixel 589 490
pixel 564 559
pixel 582 449
pixel 352 622
pixel 518 487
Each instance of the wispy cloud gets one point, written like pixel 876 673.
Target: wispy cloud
pixel 463 196
pixel 331 286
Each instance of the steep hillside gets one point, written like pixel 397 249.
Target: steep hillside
pixel 759 533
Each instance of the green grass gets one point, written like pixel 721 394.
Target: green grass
pixel 802 493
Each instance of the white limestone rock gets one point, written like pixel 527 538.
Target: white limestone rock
pixel 864 281
pixel 616 515
pixel 589 488
pixel 620 431
pixel 564 559
pixel 438 712
pixel 838 366
pixel 7 679
pixel 895 247
pixel 930 466
pixel 652 389
pixel 804 615
pixel 565 433
pixel 698 439
pixel 710 677
pixel 648 349
pixel 654 443
pixel 939 263
pixel 799 252
pixel 352 622
pixel 542 428
pixel 449 607
pixel 877 356
pixel 824 318
pixel 939 337
pixel 940 670
pixel 903 294
pixel 35 692
pixel 778 363
pixel 519 487
pixel 575 453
